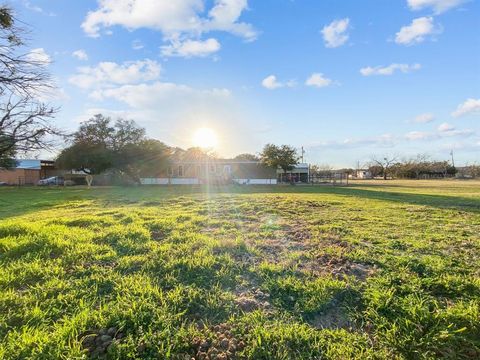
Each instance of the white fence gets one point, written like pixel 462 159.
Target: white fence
pixel 195 181
pixel 169 181
pixel 255 181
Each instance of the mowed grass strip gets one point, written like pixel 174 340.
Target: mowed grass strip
pixel 375 270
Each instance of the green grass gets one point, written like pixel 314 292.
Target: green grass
pixel 375 270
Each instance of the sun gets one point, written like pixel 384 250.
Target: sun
pixel 205 138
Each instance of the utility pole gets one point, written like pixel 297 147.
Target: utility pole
pixel 451 154
pixel 303 153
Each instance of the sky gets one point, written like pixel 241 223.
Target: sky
pixel 344 79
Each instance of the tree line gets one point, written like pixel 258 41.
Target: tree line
pixel 121 147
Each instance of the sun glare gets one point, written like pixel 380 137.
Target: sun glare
pixel 205 138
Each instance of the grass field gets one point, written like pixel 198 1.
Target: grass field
pixel 374 270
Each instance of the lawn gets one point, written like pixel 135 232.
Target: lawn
pixel 374 270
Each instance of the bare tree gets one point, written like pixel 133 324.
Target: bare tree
pixel 25 122
pixel 25 126
pixel 384 163
pixel 21 72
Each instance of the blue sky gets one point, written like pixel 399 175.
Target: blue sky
pixel 345 79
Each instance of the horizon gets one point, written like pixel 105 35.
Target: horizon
pixel 362 82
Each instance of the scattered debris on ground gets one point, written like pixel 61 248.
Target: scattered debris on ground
pixel 224 346
pixel 97 342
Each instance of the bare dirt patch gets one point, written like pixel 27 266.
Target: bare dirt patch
pixel 335 317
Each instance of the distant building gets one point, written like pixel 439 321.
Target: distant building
pixel 28 172
pixel 362 174
pixel 213 171
pixel 299 173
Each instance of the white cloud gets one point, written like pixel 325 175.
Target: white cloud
pixel 182 22
pixel 271 83
pixel 142 96
pixel 389 70
pixel 318 80
pixel 417 31
pixel 335 34
pixel 424 118
pixel 107 74
pixel 190 48
pixel 445 127
pixel 444 130
pixel 438 6
pixel 384 140
pixel 470 106
pixel 39 56
pixel 80 55
pixel 418 135
pixel 32 7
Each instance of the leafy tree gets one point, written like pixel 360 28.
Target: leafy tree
pixel 284 157
pixel 87 157
pixel 25 123
pixel 145 157
pixel 192 154
pixel 247 157
pixel 99 145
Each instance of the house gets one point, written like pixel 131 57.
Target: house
pixel 299 173
pixel 361 174
pixel 212 171
pixel 28 172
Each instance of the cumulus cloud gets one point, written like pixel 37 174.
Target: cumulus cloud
pixel 424 118
pixel 384 140
pixel 419 30
pixel 444 130
pixel 445 127
pixel 438 6
pixel 470 106
pixel 418 135
pixel 80 55
pixel 271 83
pixel 182 22
pixel 151 95
pixel 389 70
pixel 336 34
pixel 107 74
pixel 190 48
pixel 318 80
pixel 39 56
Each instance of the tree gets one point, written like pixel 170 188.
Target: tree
pixel 384 163
pixel 25 122
pixel 146 157
pixel 90 158
pixel 321 170
pixel 284 157
pixel 25 126
pixel 246 157
pixel 99 145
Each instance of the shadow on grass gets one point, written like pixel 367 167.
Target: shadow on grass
pixel 20 201
pixel 433 200
pixel 375 192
